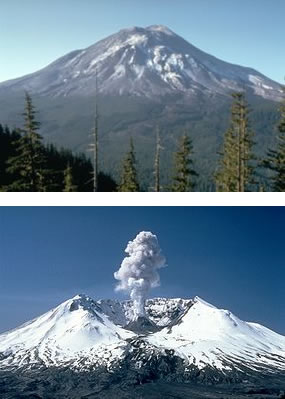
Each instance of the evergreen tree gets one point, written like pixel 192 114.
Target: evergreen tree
pixel 29 162
pixel 183 166
pixel 55 167
pixel 106 183
pixel 226 176
pixel 68 180
pixel 157 163
pixel 235 171
pixel 129 182
pixel 57 161
pixel 7 151
pixel 276 158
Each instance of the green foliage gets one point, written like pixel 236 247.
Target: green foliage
pixel 226 179
pixel 129 182
pixel 7 150
pixel 29 163
pixel 67 123
pixel 235 170
pixel 276 158
pixel 106 183
pixel 183 169
pixel 82 169
pixel 56 160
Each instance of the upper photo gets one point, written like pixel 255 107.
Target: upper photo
pixel 153 96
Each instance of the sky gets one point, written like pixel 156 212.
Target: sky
pixel 232 257
pixel 36 32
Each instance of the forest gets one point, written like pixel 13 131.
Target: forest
pixel 27 164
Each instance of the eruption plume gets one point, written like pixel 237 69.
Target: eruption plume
pixel 138 272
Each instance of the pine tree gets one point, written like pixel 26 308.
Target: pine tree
pixel 183 166
pixel 29 162
pixel 157 162
pixel 7 151
pixel 106 183
pixel 235 171
pixel 129 182
pixel 68 180
pixel 226 176
pixel 276 158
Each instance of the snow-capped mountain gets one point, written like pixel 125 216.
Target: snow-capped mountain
pixel 82 332
pixel 147 77
pixel 205 335
pixel 76 326
pixel 151 61
pixel 98 349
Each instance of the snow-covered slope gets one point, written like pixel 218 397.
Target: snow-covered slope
pixel 77 326
pixel 84 333
pixel 205 335
pixel 149 62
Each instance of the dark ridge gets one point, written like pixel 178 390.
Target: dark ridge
pixel 142 325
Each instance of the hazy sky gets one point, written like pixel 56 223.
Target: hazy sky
pixel 36 32
pixel 231 257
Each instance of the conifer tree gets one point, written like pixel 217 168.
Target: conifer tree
pixel 235 171
pixel 157 163
pixel 68 180
pixel 129 181
pixel 183 166
pixel 29 162
pixel 276 158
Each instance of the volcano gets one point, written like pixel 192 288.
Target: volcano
pixel 83 345
pixel 142 325
pixel 147 77
pixel 147 62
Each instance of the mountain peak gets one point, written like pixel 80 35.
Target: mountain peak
pixel 151 28
pixel 160 28
pixel 208 342
pixel 201 301
pixel 81 301
pixel 133 29
pixel 83 332
pixel 149 62
pixel 80 297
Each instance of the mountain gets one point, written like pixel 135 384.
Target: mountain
pixel 84 348
pixel 75 326
pixel 152 61
pixel 206 335
pixel 142 325
pixel 147 77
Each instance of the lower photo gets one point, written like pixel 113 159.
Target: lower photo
pixel 142 302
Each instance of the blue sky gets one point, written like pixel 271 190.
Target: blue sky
pixel 34 33
pixel 232 257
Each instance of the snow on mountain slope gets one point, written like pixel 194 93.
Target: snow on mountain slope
pixel 75 326
pixel 207 335
pixel 83 333
pixel 145 62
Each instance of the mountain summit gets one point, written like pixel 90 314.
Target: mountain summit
pixel 152 61
pixel 195 330
pixel 97 349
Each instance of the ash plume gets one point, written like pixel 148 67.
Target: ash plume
pixel 138 272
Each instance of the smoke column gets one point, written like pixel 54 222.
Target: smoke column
pixel 138 272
